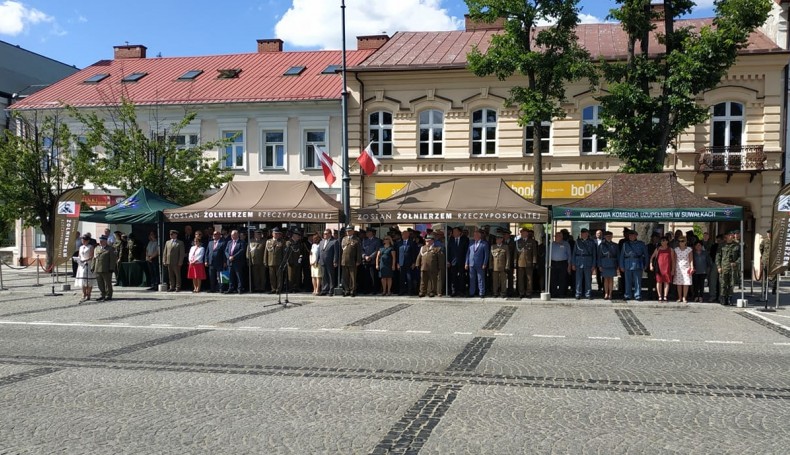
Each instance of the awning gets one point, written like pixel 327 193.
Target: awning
pixel 469 200
pixel 143 206
pixel 645 197
pixel 276 200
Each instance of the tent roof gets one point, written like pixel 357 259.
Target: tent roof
pixel 470 199
pixel 143 206
pixel 276 200
pixel 638 197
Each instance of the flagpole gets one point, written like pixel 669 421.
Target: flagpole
pixel 346 181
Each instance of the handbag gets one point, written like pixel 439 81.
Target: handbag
pixel 654 263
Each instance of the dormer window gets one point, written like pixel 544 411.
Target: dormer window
pixel 96 78
pixel 228 73
pixel 294 71
pixel 134 77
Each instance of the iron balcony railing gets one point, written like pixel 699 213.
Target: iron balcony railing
pixel 733 158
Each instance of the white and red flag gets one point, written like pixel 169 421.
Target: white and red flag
pixel 368 161
pixel 326 165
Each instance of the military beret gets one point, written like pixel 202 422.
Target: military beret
pixel 259 231
pixel 117 232
pixel 104 237
pixel 173 231
pixel 585 230
pixel 608 233
pixel 370 229
pixel 632 232
pixel 86 237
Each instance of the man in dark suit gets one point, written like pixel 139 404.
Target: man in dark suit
pixel 457 247
pixel 328 259
pixel 407 257
pixel 236 257
pixel 215 260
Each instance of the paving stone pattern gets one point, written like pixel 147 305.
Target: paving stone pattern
pixel 780 330
pixel 380 315
pixel 631 322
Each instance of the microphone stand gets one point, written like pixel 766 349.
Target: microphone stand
pixel 283 270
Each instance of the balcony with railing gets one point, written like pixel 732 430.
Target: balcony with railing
pixel 730 160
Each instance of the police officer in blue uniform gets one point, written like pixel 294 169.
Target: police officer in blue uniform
pixel 584 260
pixel 633 260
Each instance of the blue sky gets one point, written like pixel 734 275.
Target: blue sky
pixel 82 32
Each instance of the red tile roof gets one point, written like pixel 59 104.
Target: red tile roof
pixel 261 80
pixel 436 50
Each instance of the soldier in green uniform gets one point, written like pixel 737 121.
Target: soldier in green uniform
pixel 273 258
pixel 525 259
pixel 765 256
pixel 500 266
pixel 728 265
pixel 297 253
pixel 510 244
pixel 258 270
pixel 350 260
pixel 104 263
pixel 428 260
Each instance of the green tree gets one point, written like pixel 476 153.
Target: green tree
pixel 549 57
pixel 651 99
pixel 39 161
pixel 133 157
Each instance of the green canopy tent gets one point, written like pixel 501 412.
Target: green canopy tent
pixel 142 207
pixel 647 197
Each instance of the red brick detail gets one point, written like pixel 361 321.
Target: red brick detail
pixel 371 41
pixel 130 51
pixel 270 45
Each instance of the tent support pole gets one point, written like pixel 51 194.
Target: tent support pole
pixel 548 259
pixel 778 287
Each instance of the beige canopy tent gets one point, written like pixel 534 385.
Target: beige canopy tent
pixel 469 200
pixel 276 200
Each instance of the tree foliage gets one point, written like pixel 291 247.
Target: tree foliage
pixel 127 156
pixel 651 97
pixel 39 161
pixel 549 57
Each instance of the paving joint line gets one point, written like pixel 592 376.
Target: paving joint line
pixel 379 315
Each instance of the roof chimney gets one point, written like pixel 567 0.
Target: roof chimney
pixel 129 51
pixel 270 45
pixel 371 41
pixel 473 25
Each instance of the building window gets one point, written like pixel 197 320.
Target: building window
pixel 728 121
pixel 235 154
pixel 545 135
pixel 313 139
pixel 380 133
pixel 591 143
pixel 186 141
pixel 431 127
pixel 273 150
pixel 39 240
pixel 484 132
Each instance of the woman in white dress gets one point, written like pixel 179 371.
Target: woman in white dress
pixel 684 268
pixel 86 279
pixel 316 272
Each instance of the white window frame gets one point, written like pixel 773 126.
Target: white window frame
pixel 273 128
pixel 307 150
pixel 528 139
pixel 595 122
pixel 728 119
pixel 430 126
pixel 233 126
pixel 377 146
pixel 483 125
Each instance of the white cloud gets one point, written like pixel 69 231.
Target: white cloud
pixel 15 17
pixel 583 19
pixel 317 23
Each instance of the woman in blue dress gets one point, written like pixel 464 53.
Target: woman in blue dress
pixel 385 264
pixel 608 252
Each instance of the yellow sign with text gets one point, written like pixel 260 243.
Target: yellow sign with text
pixel 385 190
pixel 562 189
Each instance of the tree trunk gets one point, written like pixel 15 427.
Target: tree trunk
pixel 537 157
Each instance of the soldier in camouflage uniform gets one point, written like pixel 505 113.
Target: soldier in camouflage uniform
pixel 765 256
pixel 500 266
pixel 728 265
pixel 428 259
pixel 297 253
pixel 273 257
pixel 525 259
pixel 255 253
pixel 350 260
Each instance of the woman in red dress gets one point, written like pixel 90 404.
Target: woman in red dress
pixel 196 271
pixel 663 258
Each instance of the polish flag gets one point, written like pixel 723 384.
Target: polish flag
pixel 368 161
pixel 326 165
